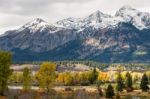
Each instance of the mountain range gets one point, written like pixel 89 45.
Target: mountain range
pixel 124 37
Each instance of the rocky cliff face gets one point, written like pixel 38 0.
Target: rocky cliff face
pixel 101 37
pixel 37 36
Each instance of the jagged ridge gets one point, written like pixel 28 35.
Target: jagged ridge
pixel 101 37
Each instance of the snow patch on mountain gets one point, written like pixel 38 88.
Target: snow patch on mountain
pixel 134 16
pixel 39 25
pixel 97 20
pixel 127 14
pixel 77 23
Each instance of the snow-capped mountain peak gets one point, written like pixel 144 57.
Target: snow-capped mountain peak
pixel 38 20
pixel 69 22
pixel 141 20
pixel 98 14
pixel 78 23
pixel 126 11
pixel 38 24
pixel 96 17
pixel 35 25
pixel 126 7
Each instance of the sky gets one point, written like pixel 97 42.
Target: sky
pixel 15 13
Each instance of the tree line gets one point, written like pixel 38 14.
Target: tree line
pixel 47 77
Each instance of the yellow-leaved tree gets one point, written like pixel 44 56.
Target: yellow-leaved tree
pixel 68 79
pixel 46 75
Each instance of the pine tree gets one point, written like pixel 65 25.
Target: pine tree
pixel 5 71
pixel 93 76
pixel 110 91
pixel 128 82
pixel 120 84
pixel 144 83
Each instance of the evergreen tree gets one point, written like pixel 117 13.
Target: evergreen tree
pixel 26 79
pixel 128 82
pixel 93 76
pixel 120 84
pixel 110 91
pixel 5 71
pixel 144 83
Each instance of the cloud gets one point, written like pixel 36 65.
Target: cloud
pixel 46 7
pixel 29 7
